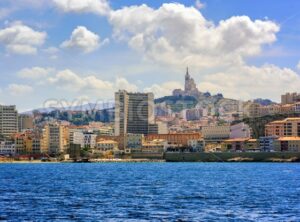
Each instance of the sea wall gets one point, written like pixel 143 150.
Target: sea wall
pixel 158 156
pixel 233 157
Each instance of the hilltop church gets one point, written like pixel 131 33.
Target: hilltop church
pixel 190 88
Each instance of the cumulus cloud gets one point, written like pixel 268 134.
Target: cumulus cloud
pixel 179 35
pixel 100 7
pixel 19 89
pixel 176 35
pixel 83 40
pixel 35 72
pixel 164 89
pixel 74 82
pixel 248 82
pixel 123 84
pixel 21 39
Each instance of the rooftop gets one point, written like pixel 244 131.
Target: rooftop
pixel 289 138
pixel 107 142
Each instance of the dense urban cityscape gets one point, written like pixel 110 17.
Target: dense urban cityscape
pixel 141 127
pixel 149 110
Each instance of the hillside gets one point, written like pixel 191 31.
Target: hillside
pixel 258 124
pixel 81 117
pixel 178 103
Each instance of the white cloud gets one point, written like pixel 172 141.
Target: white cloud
pixel 249 82
pixel 123 84
pixel 71 81
pixel 83 40
pixel 164 89
pixel 199 4
pixel 21 39
pixel 35 72
pixel 19 89
pixel 89 85
pixel 178 35
pixel 100 7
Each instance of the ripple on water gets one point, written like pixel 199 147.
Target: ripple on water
pixel 150 192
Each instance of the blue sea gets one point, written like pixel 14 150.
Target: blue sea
pixel 150 192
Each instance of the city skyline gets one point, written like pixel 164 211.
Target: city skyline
pixel 51 49
pixel 149 110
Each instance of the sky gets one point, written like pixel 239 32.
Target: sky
pixel 68 52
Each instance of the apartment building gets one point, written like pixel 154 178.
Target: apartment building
pixel 56 138
pixel 134 113
pixel 28 142
pixel 106 146
pixel 290 98
pixel 7 147
pixel 251 109
pixel 215 133
pixel 240 130
pixel 266 143
pixel 289 127
pixel 8 120
pixel 25 122
pixel 287 144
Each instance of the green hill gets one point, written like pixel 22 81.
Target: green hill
pixel 178 103
pixel 258 124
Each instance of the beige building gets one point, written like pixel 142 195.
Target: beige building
pixel 287 144
pixel 8 120
pixel 270 110
pixel 162 127
pixel 56 138
pixel 177 139
pixel 153 149
pixel 106 146
pixel 251 109
pixel 28 142
pixel 154 146
pixel 134 113
pixel 106 131
pixel 25 122
pixel 36 145
pixel 290 98
pixel 216 133
pixel 289 127
pixel 240 145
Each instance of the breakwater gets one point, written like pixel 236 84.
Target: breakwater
pixel 233 157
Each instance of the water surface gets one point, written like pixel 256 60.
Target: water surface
pixel 150 192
